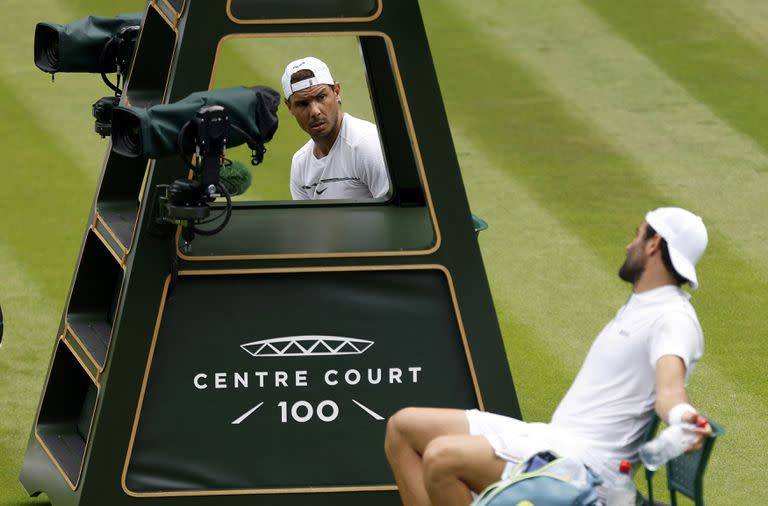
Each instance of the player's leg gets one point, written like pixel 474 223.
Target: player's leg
pixel 456 465
pixel 409 431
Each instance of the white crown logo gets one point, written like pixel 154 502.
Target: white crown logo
pixel 300 346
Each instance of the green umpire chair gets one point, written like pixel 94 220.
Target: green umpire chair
pixel 685 474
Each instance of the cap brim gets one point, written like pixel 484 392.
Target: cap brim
pixel 683 267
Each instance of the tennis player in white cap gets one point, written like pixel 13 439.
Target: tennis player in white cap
pixel 638 364
pixel 343 158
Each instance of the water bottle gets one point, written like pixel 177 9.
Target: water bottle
pixel 623 492
pixel 672 442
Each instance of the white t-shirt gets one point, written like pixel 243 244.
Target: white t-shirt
pixel 353 169
pixel 611 401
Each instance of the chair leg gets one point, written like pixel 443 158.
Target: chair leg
pixel 673 497
pixel 650 492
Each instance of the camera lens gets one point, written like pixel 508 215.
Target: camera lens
pixel 52 53
pixel 132 138
pixel 47 51
pixel 126 133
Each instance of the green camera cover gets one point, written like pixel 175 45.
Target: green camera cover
pixel 77 47
pixel 154 132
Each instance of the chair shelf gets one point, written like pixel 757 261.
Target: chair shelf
pixel 94 299
pixel 93 334
pixel 66 413
pixel 115 222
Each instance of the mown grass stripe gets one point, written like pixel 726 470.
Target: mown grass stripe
pixel 747 17
pixel 713 60
pixel 45 214
pixel 684 148
pixel 31 320
pixel 728 479
pixel 559 159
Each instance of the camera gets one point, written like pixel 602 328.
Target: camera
pixel 94 44
pixel 206 124
pixel 167 129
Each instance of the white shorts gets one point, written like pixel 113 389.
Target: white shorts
pixel 515 441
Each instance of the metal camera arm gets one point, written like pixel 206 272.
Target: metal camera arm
pixel 211 125
pixel 118 52
pixel 186 201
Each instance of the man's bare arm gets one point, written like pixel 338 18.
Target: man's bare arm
pixel 671 392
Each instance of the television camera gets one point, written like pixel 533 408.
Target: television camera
pixel 94 44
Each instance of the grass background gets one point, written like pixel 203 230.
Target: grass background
pixel 571 118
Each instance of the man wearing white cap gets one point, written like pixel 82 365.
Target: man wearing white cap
pixel 639 363
pixel 343 158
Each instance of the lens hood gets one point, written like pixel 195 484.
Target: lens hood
pixel 127 136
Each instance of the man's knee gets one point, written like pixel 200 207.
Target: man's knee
pixel 397 428
pixel 442 457
pixel 414 428
pixel 470 459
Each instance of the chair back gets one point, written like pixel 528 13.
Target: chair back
pixel 685 474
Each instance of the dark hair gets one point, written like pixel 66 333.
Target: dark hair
pixel 301 75
pixel 650 232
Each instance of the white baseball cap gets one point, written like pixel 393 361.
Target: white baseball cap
pixel 316 66
pixel 686 238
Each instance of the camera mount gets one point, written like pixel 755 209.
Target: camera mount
pixel 186 202
pixel 117 52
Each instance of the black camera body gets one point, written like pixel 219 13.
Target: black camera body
pixel 119 50
pixel 211 126
pixel 102 111
pixel 186 200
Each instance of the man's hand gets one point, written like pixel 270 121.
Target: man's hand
pixel 703 429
